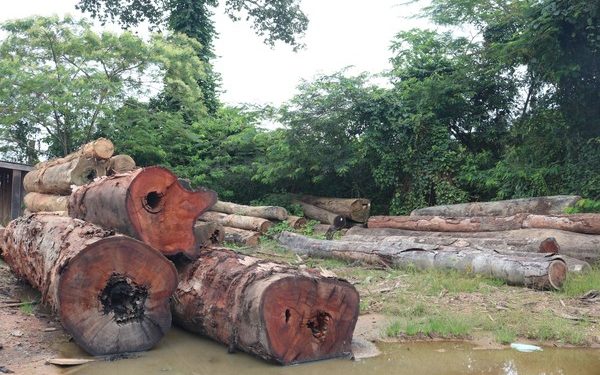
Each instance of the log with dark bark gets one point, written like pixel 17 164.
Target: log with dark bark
pixel 580 223
pixel 539 271
pixel 241 236
pixel 267 309
pixel 356 209
pixel 321 215
pixel 256 224
pixel 120 164
pixel 585 247
pixel 296 222
pixel 148 204
pixel 553 205
pixel 110 291
pixel 101 149
pixel 37 202
pixel 208 233
pixel 265 212
pixel 57 178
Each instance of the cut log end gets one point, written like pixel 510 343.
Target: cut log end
pixel 557 273
pixel 307 321
pixel 114 296
pixel 549 245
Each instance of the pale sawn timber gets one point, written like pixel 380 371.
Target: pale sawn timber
pixel 38 202
pixel 356 209
pixel 58 178
pixel 265 212
pixel 256 224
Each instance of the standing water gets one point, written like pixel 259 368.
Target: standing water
pixel 183 353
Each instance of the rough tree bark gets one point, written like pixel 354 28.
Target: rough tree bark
pixel 36 202
pixel 256 224
pixel 267 309
pixel 148 204
pixel 580 223
pixel 57 178
pixel 296 222
pixel 265 212
pixel 101 148
pixel 208 233
pixel 585 247
pixel 553 205
pixel 120 164
pixel 241 236
pixel 539 271
pixel 110 291
pixel 356 209
pixel 321 215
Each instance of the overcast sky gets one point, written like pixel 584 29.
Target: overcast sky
pixel 340 33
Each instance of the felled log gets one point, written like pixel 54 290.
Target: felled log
pixel 36 202
pixel 585 247
pixel 553 205
pixel 539 271
pixel 208 233
pixel 101 148
pixel 110 291
pixel 57 178
pixel 356 209
pixel 241 236
pixel 296 222
pixel 265 212
pixel 321 215
pixel 256 224
pixel 120 164
pixel 580 223
pixel 148 204
pixel 266 309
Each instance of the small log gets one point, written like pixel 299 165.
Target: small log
pixel 36 202
pixel 242 237
pixel 101 148
pixel 321 215
pixel 266 309
pixel 256 224
pixel 296 222
pixel 356 209
pixel 208 233
pixel 265 212
pixel 553 205
pixel 579 223
pixel 110 291
pixel 323 230
pixel 538 271
pixel 148 204
pixel 584 247
pixel 57 178
pixel 120 164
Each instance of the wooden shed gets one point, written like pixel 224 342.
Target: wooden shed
pixel 11 190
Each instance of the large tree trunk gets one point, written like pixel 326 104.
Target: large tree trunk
pixel 101 148
pixel 296 222
pixel 580 223
pixel 110 291
pixel 356 209
pixel 208 233
pixel 120 164
pixel 241 236
pixel 57 178
pixel 265 212
pixel 554 205
pixel 540 271
pixel 256 224
pixel 148 204
pixel 36 202
pixel 585 247
pixel 269 310
pixel 321 215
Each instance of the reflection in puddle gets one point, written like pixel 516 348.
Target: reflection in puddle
pixel 183 353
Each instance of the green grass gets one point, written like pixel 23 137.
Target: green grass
pixel 27 308
pixel 505 335
pixel 442 325
pixel 578 284
pixel 434 282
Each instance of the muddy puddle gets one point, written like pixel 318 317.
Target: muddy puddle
pixel 183 353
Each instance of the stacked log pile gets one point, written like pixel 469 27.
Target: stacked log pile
pixel 108 268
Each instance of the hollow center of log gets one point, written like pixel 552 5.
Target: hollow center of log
pixel 318 324
pixel 153 202
pixel 124 298
pixel 90 174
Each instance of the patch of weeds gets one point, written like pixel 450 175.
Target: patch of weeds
pixel 434 281
pixel 580 283
pixel 584 205
pixel 27 308
pixel 505 335
pixel 442 325
pixel 309 228
pixel 394 329
pixel 282 226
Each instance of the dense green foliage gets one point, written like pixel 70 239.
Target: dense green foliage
pixel 511 112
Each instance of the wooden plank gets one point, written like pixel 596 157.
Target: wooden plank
pixel 16 197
